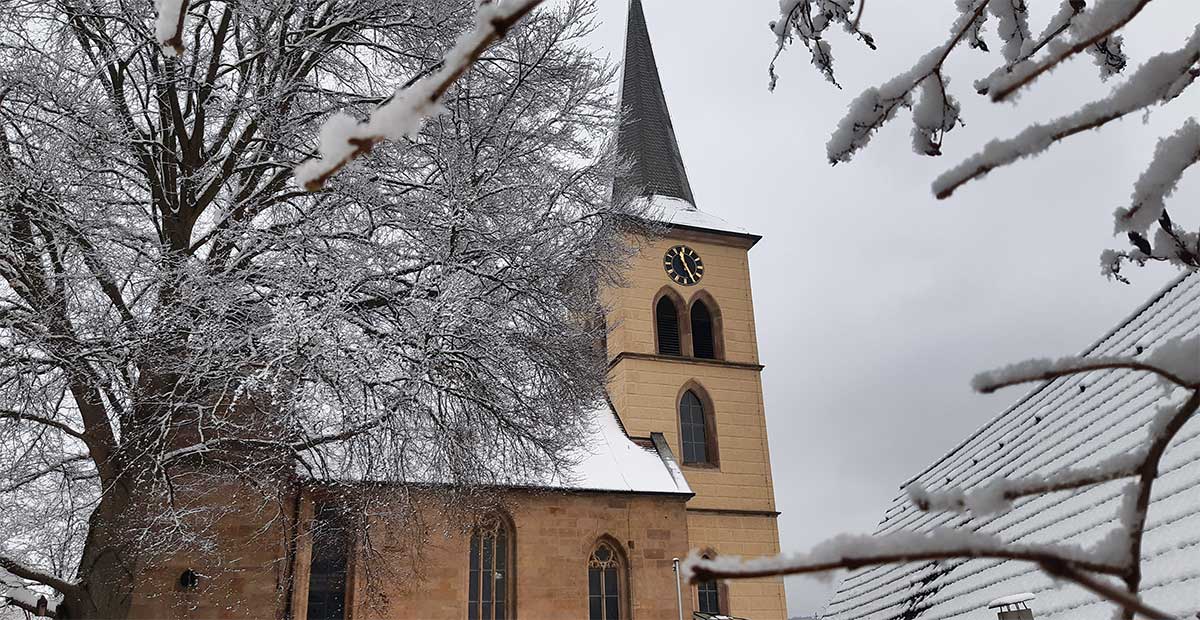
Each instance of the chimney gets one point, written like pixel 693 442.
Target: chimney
pixel 1014 607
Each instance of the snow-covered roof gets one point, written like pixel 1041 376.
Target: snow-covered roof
pixel 1070 422
pixel 679 212
pixel 611 461
pixel 607 460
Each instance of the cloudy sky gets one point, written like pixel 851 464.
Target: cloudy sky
pixel 875 302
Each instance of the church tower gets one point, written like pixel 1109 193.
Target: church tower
pixel 683 354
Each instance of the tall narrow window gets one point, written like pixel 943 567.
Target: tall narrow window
pixel 330 557
pixel 604 583
pixel 692 426
pixel 710 598
pixel 703 343
pixel 489 594
pixel 666 319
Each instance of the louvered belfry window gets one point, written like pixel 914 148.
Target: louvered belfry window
pixel 703 343
pixel 695 435
pixel 666 319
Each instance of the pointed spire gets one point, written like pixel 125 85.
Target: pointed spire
pixel 645 138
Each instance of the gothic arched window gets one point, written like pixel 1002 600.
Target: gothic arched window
pixel 704 343
pixel 491 588
pixel 693 426
pixel 666 322
pixel 605 585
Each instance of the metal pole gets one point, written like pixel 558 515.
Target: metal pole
pixel 678 588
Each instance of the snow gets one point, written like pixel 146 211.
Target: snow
pixel 167 24
pixel 1012 599
pixel 875 106
pixel 611 461
pixel 679 212
pixel 608 460
pixel 342 138
pixel 1172 156
pixel 1055 430
pixel 1152 82
pixel 1013 27
pixel 843 549
pixel 1180 357
pixel 15 589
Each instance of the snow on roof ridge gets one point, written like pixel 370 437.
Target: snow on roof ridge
pixel 1086 351
pixel 679 212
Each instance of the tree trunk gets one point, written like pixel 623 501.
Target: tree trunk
pixel 109 564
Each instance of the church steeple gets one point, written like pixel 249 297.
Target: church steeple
pixel 645 138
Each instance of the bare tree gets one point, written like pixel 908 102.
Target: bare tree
pixel 1027 55
pixel 175 314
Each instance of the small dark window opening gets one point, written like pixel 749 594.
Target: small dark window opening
pixel 692 425
pixel 330 559
pixel 710 597
pixel 189 580
pixel 703 343
pixel 666 319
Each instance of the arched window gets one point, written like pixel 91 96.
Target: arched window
pixel 703 343
pixel 489 595
pixel 694 428
pixel 604 583
pixel 666 321
pixel 708 595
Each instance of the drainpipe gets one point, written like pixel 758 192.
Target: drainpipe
pixel 678 588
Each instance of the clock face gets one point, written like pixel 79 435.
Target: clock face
pixel 683 265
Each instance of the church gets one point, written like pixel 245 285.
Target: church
pixel 677 460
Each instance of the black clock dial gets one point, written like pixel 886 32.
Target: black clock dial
pixel 683 265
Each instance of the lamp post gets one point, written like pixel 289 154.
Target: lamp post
pixel 678 588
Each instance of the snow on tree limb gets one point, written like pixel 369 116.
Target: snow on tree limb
pixel 857 551
pixel 1176 360
pixel 876 106
pixel 1153 82
pixel 343 139
pixel 36 576
pixel 169 24
pixel 1100 21
pixel 797 20
pixel 998 494
pixel 1173 155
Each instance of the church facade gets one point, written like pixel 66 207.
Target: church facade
pixel 678 460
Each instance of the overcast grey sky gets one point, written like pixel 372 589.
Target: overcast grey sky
pixel 875 302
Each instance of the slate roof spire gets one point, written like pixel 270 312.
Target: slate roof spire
pixel 645 137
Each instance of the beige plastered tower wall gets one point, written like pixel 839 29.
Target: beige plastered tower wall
pixel 733 511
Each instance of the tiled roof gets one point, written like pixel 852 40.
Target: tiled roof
pixel 645 138
pixel 1069 422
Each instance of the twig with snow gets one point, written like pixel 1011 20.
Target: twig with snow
pixel 343 139
pixel 1177 361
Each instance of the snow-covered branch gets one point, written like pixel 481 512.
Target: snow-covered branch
pixel 36 576
pixel 1158 80
pixel 343 139
pixel 1171 361
pixel 169 25
pixel 1102 20
pixel 875 106
pixel 998 494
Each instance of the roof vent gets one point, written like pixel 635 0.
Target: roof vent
pixel 1014 607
